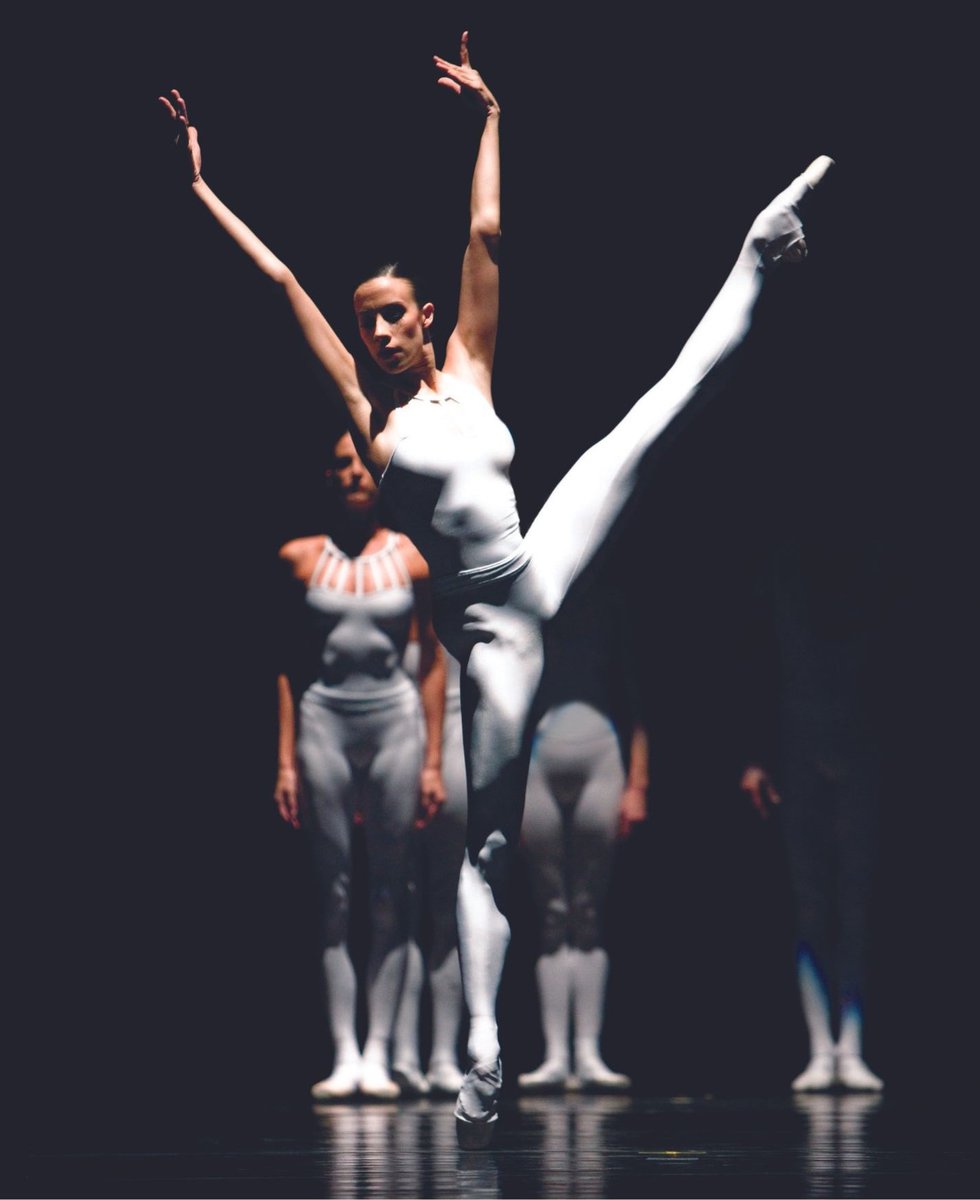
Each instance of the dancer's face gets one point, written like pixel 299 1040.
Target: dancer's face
pixel 392 323
pixel 349 476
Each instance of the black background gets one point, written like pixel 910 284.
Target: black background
pixel 166 430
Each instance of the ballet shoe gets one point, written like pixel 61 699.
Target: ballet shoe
pixel 549 1077
pixel 777 232
pixel 594 1076
pixel 377 1084
pixel 341 1084
pixel 410 1079
pixel 444 1078
pixel 820 1075
pixel 854 1074
pixel 476 1106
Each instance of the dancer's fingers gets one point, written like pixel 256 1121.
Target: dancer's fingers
pixel 816 171
pixel 168 106
pixel 181 104
pixel 464 49
pixel 791 248
pixel 806 181
pixel 447 80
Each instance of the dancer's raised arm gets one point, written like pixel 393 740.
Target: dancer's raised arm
pixel 330 351
pixel 470 349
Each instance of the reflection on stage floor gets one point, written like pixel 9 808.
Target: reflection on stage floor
pixel 575 1145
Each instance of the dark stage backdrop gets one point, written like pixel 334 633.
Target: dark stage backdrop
pixel 174 422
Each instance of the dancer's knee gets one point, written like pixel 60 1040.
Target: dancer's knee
pixel 584 922
pixel 336 916
pixel 554 926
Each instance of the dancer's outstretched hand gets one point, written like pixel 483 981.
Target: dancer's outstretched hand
pixel 464 79
pixel 185 131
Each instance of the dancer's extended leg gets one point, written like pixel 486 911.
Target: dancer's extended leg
pixel 578 516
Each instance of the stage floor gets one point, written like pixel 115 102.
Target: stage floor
pixel 561 1146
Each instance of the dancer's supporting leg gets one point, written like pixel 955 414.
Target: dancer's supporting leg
pixel 439 853
pixel 390 810
pixel 592 837
pixel 328 787
pixel 406 1067
pixel 857 843
pixel 806 820
pixel 500 678
pixel 543 836
pixel 445 845
pixel 577 518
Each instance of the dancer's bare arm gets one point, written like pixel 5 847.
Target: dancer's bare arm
pixel 470 350
pixel 287 778
pixel 633 803
pixel 333 355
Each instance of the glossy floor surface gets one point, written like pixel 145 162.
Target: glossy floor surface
pixel 561 1146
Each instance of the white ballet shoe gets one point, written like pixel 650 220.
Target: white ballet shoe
pixel 476 1106
pixel 593 1075
pixel 341 1084
pixel 820 1075
pixel 410 1079
pixel 549 1077
pixel 444 1078
pixel 377 1083
pixel 854 1074
pixel 777 232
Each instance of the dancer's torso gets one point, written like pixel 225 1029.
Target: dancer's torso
pixel 448 481
pixel 362 611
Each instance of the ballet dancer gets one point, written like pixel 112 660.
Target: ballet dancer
pixel 364 742
pixel 579 799
pixel 432 439
pixel 825 599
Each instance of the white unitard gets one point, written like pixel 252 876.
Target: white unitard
pixel 359 750
pixel 571 817
pixel 447 481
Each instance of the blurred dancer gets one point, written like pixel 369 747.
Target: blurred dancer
pixel 357 747
pixel 825 606
pixel 584 788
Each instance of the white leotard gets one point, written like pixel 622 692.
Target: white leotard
pixel 362 610
pixel 448 481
